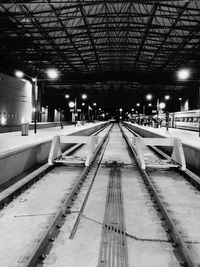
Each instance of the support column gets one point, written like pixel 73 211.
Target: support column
pixel 39 101
pixel 184 104
pixel 194 101
pixel 50 113
pixel 33 103
pixel 198 97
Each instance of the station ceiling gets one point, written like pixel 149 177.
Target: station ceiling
pixel 116 51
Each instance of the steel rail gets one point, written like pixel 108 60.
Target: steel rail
pixel 35 255
pixel 173 230
pixel 20 186
pixel 73 232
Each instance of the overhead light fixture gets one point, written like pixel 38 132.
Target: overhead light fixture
pixel 19 74
pixel 162 105
pixel 183 74
pixel 84 96
pixel 52 73
pixel 149 96
pixel 71 104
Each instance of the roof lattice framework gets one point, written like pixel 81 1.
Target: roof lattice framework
pixel 101 40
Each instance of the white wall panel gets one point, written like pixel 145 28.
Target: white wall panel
pixel 15 100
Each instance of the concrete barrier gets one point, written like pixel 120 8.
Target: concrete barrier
pixel 17 161
pixel 192 154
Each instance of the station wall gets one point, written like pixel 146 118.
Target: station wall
pixel 15 100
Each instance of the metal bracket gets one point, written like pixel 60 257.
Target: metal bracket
pixel 56 156
pixel 177 157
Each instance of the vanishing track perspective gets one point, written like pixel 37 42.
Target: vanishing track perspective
pixel 108 214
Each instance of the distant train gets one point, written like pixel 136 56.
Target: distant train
pixel 188 120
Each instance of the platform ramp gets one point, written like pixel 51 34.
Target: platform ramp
pixel 177 158
pixel 56 155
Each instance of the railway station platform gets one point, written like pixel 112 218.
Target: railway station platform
pixel 190 141
pixel 14 140
pixel 20 153
pixel 187 137
pixel 107 214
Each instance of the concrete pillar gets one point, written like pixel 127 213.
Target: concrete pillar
pixel 50 116
pixel 33 103
pixel 198 97
pixel 39 101
pixel 184 104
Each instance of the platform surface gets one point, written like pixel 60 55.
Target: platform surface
pixel 187 137
pixel 14 140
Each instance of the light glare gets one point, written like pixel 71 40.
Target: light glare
pixel 71 104
pixel 162 105
pixel 52 73
pixel 84 96
pixel 19 74
pixel 183 74
pixel 149 97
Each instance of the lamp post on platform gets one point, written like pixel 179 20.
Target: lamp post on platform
pixel 73 104
pixel 51 74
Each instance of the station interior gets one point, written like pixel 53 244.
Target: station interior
pixel 99 133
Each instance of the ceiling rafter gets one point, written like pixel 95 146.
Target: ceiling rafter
pixel 152 13
pixel 180 13
pixel 122 44
pixel 42 32
pixel 178 49
pixel 89 33
pixel 66 32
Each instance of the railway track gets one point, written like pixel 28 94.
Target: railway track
pixel 177 195
pixel 31 221
pixel 109 214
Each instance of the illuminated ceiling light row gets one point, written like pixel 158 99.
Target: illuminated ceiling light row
pixel 51 73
